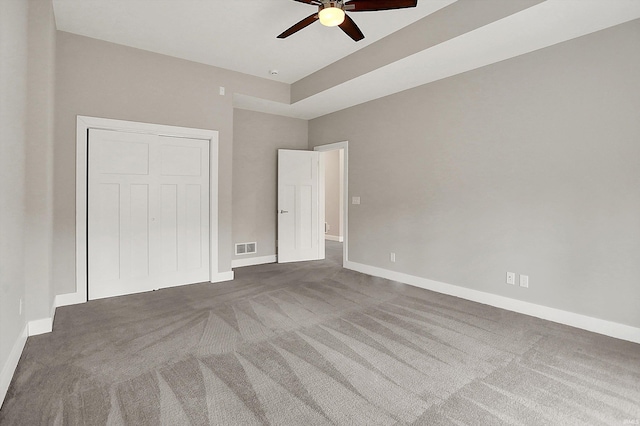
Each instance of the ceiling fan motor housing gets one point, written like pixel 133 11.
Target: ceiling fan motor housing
pixel 326 4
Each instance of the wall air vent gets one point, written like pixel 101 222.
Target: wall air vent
pixel 246 248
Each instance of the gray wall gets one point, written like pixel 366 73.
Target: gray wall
pixel 530 165
pixel 39 159
pixel 332 181
pixel 13 104
pixel 107 80
pixel 27 56
pixel 257 138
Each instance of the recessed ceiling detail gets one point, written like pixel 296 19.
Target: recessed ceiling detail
pixel 238 35
pixel 402 50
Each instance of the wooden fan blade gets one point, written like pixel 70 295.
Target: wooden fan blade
pixel 352 30
pixel 313 2
pixel 300 25
pixel 371 5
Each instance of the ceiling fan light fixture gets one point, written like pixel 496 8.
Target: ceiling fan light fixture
pixel 331 16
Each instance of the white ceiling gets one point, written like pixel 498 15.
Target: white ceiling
pixel 240 35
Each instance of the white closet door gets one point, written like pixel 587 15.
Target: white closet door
pixel 148 212
pixel 183 212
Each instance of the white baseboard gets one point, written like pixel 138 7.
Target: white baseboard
pixel 333 238
pixel 222 276
pixel 608 328
pixel 41 326
pixel 250 261
pixel 12 362
pixel 69 299
pixel 76 298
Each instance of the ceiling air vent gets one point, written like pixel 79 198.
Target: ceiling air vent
pixel 246 248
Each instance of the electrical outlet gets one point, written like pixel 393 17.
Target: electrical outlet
pixel 392 257
pixel 524 281
pixel 511 278
pixel 355 200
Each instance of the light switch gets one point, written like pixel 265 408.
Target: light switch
pixel 355 200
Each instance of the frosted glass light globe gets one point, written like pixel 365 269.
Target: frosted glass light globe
pixel 331 16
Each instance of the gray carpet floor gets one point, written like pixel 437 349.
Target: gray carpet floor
pixel 312 343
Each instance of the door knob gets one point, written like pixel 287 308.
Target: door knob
pixel 284 211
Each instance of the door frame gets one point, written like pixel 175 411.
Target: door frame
pixel 345 197
pixel 83 125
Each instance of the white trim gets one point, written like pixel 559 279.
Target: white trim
pixel 333 238
pixel 53 310
pixel 69 299
pixel 341 192
pixel 214 237
pixel 608 328
pixel 82 129
pixel 345 199
pixel 222 276
pixel 321 205
pixel 41 326
pixel 251 261
pixel 9 367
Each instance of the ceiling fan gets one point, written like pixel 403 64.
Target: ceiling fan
pixel 332 13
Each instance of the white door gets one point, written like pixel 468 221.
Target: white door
pixel 148 212
pixel 300 206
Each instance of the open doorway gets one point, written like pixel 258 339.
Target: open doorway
pixel 333 198
pixel 336 196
